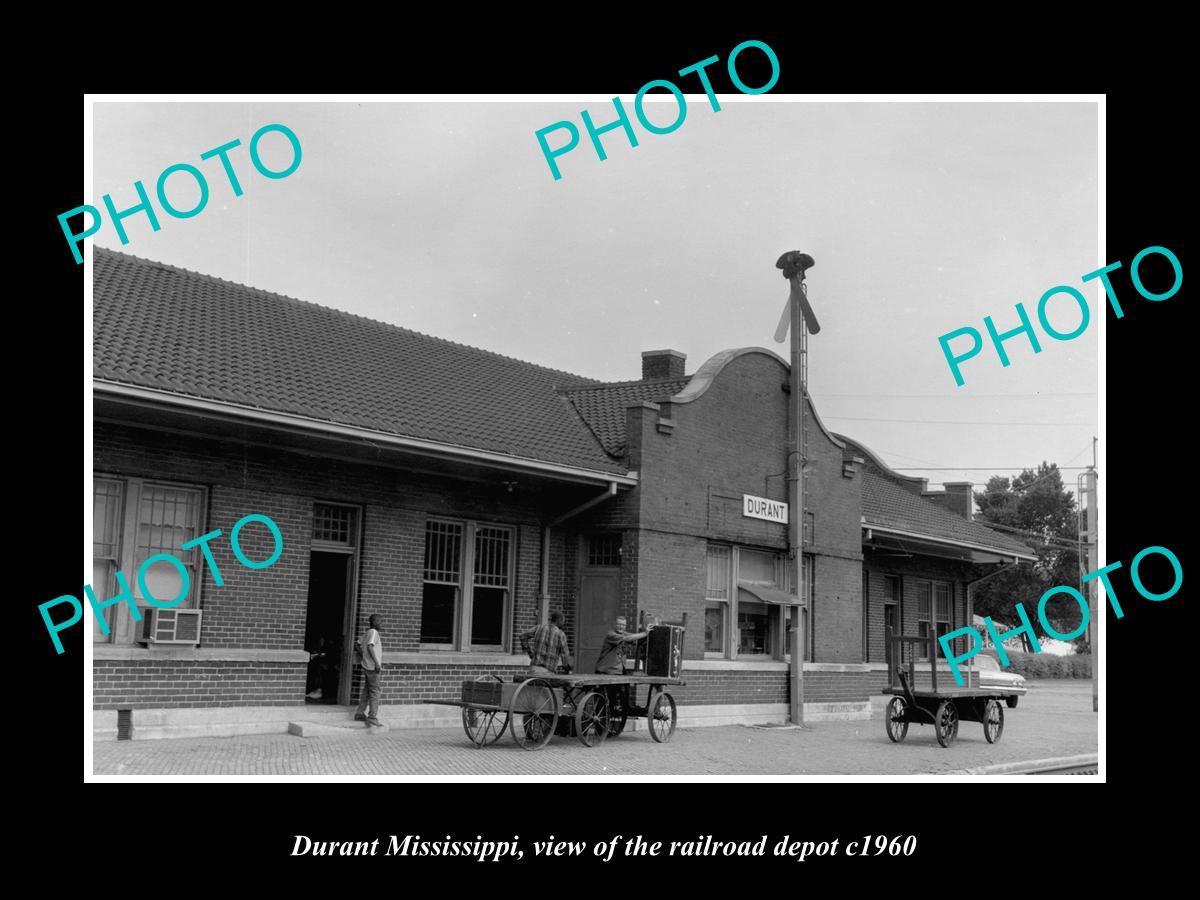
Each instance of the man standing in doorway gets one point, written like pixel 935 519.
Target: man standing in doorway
pixel 371 647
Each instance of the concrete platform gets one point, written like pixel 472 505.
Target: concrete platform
pixel 309 728
pixel 1057 722
pixel 312 719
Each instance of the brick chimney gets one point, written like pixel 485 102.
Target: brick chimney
pixel 662 364
pixel 956 498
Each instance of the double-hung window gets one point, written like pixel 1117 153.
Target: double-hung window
pixel 466 598
pixel 717 600
pixel 737 623
pixel 934 610
pixel 943 617
pixel 134 519
pixel 924 614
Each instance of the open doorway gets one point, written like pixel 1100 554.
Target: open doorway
pixel 330 611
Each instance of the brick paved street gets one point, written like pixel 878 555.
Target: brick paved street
pixel 1054 720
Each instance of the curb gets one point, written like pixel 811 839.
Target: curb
pixel 1034 766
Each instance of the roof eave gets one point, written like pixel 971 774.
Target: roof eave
pixel 303 423
pixel 952 542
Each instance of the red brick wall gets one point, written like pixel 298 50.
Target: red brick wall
pixel 723 686
pixel 836 617
pixel 672 575
pixel 262 607
pixel 146 684
pixel 424 683
pixel 741 686
pixel 267 608
pixel 729 442
pixel 840 687
pixel 878 565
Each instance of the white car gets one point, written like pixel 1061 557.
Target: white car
pixel 991 675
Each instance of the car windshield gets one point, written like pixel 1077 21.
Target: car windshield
pixel 986 662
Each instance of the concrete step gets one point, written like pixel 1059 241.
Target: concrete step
pixel 329 726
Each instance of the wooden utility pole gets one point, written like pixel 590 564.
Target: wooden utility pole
pixel 1093 563
pixel 1089 561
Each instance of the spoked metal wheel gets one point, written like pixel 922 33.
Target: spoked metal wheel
pixel 534 716
pixel 946 722
pixel 661 714
pixel 484 726
pixel 896 730
pixel 993 721
pixel 618 715
pixel 592 719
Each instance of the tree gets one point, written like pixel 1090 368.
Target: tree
pixel 1035 509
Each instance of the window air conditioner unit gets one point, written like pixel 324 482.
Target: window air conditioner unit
pixel 170 626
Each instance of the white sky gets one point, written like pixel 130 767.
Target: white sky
pixel 444 218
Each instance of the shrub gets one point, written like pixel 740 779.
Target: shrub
pixel 1045 665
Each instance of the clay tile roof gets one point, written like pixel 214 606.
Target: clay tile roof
pixel 887 505
pixel 602 406
pixel 158 326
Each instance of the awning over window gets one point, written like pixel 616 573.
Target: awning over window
pixel 768 594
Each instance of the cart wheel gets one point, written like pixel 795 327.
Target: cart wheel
pixel 993 721
pixel 592 719
pixel 896 709
pixel 534 714
pixel 484 726
pixel 1011 701
pixel 945 723
pixel 618 715
pixel 661 715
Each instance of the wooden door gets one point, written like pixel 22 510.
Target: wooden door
pixel 599 605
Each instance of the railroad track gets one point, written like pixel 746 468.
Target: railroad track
pixel 1088 764
pixel 1090 768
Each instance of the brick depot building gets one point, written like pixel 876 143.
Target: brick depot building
pixel 462 496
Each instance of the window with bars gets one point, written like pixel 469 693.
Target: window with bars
pixel 604 550
pixel 133 520
pixel 439 600
pixel 107 497
pixel 459 612
pixel 491 584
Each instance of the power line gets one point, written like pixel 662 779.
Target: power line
pixel 961 422
pixel 941 396
pixel 1065 542
pixel 972 468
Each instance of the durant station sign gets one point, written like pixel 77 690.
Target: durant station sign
pixel 762 508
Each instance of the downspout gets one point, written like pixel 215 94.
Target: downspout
pixel 610 491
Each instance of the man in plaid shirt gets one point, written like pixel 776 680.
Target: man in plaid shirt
pixel 546 646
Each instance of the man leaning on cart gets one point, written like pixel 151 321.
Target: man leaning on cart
pixel 612 654
pixel 547 647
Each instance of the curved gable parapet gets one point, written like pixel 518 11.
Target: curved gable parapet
pixel 877 460
pixel 708 373
pixel 835 439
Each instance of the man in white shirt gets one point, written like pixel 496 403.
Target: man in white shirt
pixel 372 666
